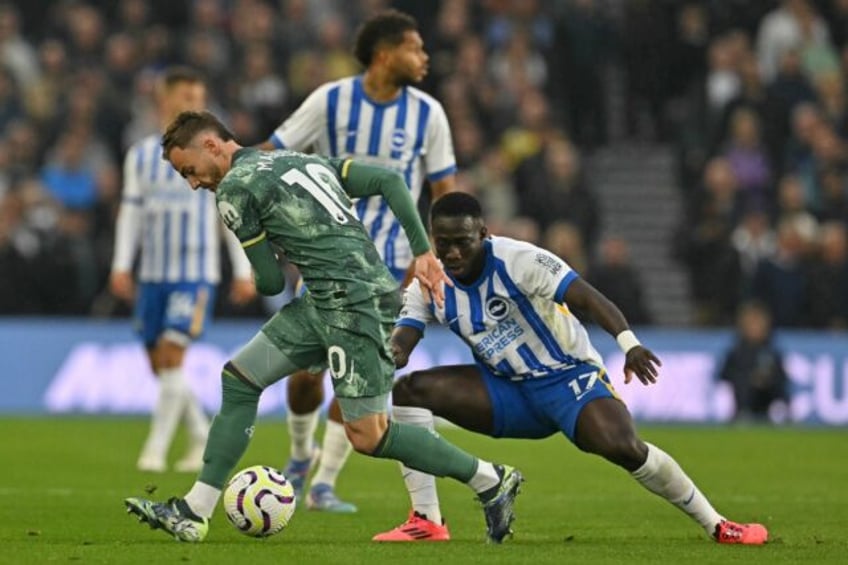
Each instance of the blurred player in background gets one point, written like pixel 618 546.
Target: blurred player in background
pixel 179 234
pixel 754 368
pixel 536 374
pixel 300 205
pixel 379 119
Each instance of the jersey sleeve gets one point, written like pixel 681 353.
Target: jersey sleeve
pixel 129 222
pixel 239 211
pixel 416 312
pixel 302 128
pixel 360 180
pixel 541 273
pixel 439 158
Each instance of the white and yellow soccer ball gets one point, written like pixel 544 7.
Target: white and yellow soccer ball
pixel 259 501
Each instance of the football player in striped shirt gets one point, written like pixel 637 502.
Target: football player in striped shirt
pixel 536 372
pixel 179 234
pixel 380 119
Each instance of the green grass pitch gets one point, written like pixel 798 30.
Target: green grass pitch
pixel 62 482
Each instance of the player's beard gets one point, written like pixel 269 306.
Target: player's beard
pixel 218 175
pixel 215 178
pixel 404 78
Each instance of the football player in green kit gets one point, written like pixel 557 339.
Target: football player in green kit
pixel 286 202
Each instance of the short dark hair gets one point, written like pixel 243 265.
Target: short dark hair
pixel 187 125
pixel 456 204
pixel 177 74
pixel 387 26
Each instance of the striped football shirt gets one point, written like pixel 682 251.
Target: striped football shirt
pixel 409 135
pixel 512 317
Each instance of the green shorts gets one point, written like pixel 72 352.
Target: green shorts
pixel 353 343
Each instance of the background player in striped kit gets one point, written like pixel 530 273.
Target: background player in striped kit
pixel 379 119
pixel 536 371
pixel 179 234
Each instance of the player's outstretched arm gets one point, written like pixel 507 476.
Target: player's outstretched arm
pixel 128 230
pixel 403 341
pixel 363 180
pixel 639 360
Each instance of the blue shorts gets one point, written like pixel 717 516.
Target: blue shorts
pixel 179 308
pixel 539 407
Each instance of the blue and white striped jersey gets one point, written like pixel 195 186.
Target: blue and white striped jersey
pixel 177 228
pixel 512 317
pixel 409 135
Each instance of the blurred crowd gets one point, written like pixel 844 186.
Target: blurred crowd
pixel 751 95
pixel 75 92
pixel 760 125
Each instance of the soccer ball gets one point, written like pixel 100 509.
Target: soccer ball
pixel 259 501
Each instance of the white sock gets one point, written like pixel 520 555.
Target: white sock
pixel 302 432
pixel 195 418
pixel 661 475
pixel 166 414
pixel 485 478
pixel 202 499
pixel 421 486
pixel 334 453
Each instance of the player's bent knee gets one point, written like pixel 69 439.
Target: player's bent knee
pixel 625 450
pixel 362 444
pixel 168 354
pixel 362 439
pixel 366 431
pixel 237 387
pixel 410 390
pixel 402 391
pixel 306 380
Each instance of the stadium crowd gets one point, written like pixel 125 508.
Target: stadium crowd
pixel 761 125
pixel 751 95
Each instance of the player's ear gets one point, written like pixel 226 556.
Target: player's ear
pixel 382 53
pixel 210 144
pixel 484 232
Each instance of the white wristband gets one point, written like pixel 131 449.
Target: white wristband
pixel 627 340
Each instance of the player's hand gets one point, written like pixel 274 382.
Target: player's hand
pixel 432 278
pixel 401 358
pixel 641 362
pixel 407 278
pixel 121 285
pixel 242 291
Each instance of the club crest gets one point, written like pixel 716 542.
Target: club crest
pixel 497 308
pixel 230 215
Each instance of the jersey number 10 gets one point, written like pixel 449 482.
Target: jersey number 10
pixel 321 183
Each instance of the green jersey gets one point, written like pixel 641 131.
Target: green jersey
pixel 301 204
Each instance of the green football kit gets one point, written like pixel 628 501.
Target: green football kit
pixel 300 205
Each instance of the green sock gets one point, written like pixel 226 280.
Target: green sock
pixel 426 451
pixel 231 430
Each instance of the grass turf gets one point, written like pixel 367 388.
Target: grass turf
pixel 62 482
